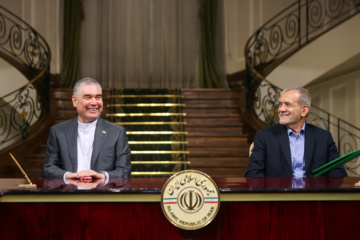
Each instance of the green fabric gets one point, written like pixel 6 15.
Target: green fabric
pixel 336 162
pixel 209 76
pixel 73 15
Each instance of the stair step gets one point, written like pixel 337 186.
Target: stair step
pixel 64 104
pixel 195 159
pixel 216 134
pixel 211 115
pixel 219 164
pixel 217 153
pixel 62 93
pixel 222 172
pixel 210 102
pixel 206 143
pixel 228 149
pixel 212 105
pixel 203 119
pixel 35 156
pixel 221 112
pixel 213 129
pixel 216 141
pixel 209 94
pixel 214 124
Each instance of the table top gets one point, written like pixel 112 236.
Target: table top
pixel 155 185
pixel 149 189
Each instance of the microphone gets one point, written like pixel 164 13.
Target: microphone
pixel 30 185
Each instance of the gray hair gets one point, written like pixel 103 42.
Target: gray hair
pixel 304 99
pixel 85 82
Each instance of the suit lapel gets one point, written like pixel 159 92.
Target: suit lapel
pixel 309 145
pixel 99 139
pixel 71 140
pixel 284 143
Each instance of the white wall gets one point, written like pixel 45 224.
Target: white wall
pixel 45 17
pixel 328 54
pixel 11 79
pixel 340 96
pixel 317 58
pixel 241 20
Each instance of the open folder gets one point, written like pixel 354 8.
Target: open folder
pixel 336 162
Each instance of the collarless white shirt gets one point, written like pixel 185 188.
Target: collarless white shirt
pixel 85 141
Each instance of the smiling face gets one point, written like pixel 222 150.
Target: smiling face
pixel 290 112
pixel 88 102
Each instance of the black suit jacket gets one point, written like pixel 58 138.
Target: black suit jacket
pixel 111 152
pixel 271 156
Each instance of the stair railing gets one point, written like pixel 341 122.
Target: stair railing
pixel 278 39
pixel 24 108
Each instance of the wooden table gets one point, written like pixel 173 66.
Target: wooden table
pixel 253 208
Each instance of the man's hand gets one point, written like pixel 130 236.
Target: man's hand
pixel 86 179
pixel 86 175
pixel 85 183
pixel 89 184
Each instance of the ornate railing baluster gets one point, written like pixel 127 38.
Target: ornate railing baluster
pixel 279 38
pixel 26 50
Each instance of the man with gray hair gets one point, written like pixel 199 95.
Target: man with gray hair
pixel 292 148
pixel 87 148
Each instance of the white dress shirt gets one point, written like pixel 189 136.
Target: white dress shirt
pixel 85 141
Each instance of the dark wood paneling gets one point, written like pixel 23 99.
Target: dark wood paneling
pixel 318 220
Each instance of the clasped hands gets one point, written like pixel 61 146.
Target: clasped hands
pixel 86 179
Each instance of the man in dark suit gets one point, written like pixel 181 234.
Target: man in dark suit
pixel 87 148
pixel 292 148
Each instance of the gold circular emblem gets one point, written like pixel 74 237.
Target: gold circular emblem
pixel 190 199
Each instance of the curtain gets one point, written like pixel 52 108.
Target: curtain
pixel 141 43
pixel 209 75
pixel 73 16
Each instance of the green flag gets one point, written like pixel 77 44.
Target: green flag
pixel 336 162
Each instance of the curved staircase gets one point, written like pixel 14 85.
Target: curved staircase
pixel 219 123
pixel 24 113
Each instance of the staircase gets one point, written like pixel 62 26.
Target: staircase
pixel 153 119
pixel 217 142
